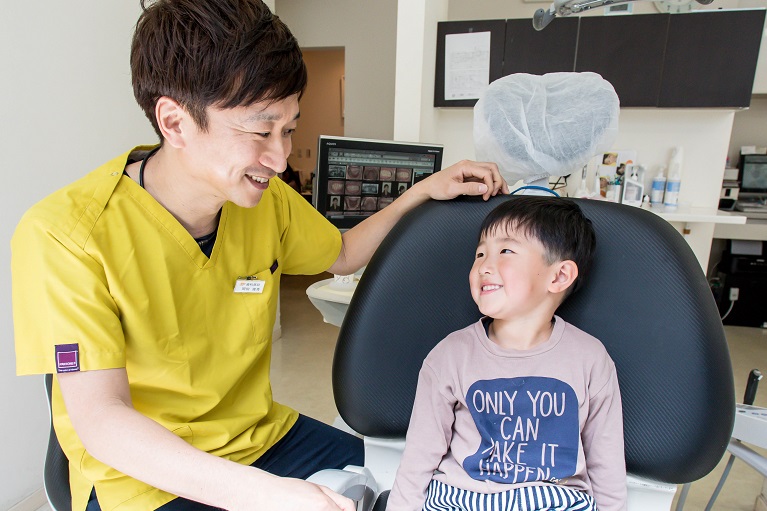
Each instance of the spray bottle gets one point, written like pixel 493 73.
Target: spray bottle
pixel 582 190
pixel 671 199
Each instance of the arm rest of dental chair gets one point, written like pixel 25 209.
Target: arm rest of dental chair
pixel 752 458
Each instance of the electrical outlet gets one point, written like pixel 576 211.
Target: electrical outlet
pixel 300 153
pixel 734 293
pixel 308 153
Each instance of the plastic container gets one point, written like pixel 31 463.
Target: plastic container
pixel 658 188
pixel 673 184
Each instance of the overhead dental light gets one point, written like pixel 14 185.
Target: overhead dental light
pixel 562 8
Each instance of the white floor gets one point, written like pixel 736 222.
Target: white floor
pixel 301 369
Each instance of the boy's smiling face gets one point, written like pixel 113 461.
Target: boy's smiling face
pixel 510 277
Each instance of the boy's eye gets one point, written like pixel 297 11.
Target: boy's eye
pixel 506 251
pixel 480 254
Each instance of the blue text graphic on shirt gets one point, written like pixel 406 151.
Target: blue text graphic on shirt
pixel 529 429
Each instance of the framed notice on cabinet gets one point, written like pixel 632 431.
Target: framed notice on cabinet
pixel 469 57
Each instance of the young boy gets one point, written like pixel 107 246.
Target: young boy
pixel 520 410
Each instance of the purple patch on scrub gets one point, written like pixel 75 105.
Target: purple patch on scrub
pixel 67 358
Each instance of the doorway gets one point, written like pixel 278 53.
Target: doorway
pixel 322 108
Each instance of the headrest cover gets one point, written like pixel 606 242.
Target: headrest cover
pixel 535 126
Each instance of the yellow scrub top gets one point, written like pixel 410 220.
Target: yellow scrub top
pixel 105 277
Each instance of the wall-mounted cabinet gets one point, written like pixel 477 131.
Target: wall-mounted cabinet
pixel 548 51
pixel 627 51
pixel 698 59
pixel 711 59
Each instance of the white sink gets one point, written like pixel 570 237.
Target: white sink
pixel 332 303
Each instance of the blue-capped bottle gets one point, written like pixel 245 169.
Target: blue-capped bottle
pixel 658 188
pixel 671 197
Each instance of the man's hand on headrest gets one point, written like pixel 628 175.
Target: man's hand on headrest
pixel 465 178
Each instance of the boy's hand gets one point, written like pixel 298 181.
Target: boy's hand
pixel 465 178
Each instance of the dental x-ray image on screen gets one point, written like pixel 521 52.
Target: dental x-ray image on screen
pixel 357 177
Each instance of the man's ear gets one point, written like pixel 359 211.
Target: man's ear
pixel 565 273
pixel 173 121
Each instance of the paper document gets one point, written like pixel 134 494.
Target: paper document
pixel 467 65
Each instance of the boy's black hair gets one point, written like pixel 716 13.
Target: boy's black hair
pixel 558 224
pixel 222 53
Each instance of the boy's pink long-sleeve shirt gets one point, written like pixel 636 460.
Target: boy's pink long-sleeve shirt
pixel 488 419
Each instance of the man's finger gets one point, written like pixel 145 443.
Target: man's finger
pixel 344 503
pixel 472 188
pixel 488 173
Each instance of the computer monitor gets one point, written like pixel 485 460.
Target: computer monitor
pixel 753 176
pixel 357 177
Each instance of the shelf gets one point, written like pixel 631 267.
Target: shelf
pixel 701 215
pixel 753 230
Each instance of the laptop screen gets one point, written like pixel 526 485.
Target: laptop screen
pixel 753 175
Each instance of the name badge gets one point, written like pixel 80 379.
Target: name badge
pixel 249 285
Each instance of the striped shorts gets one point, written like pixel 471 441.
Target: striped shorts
pixel 443 497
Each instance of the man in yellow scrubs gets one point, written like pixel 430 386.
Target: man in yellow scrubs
pixel 149 287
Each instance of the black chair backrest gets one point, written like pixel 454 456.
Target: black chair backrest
pixel 646 299
pixel 56 470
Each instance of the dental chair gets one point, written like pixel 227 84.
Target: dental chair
pixel 56 468
pixel 646 299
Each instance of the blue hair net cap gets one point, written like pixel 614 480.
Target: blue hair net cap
pixel 536 126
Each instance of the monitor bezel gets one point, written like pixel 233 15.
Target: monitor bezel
pixel 745 160
pixel 326 142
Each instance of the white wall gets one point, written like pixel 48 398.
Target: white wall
pixel 66 106
pixel 414 80
pixel 367 31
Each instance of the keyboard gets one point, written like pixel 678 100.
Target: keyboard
pixel 751 207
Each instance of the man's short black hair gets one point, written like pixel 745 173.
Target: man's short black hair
pixel 221 53
pixel 558 224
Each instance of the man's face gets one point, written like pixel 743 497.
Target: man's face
pixel 241 151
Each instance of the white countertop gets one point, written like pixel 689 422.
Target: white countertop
pixel 693 214
pixel 752 230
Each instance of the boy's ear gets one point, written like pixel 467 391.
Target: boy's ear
pixel 172 120
pixel 565 274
